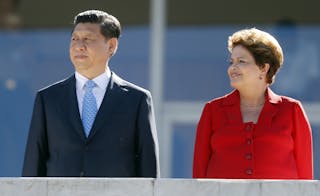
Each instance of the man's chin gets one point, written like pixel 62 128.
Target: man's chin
pixel 81 67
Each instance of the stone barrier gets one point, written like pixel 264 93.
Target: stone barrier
pixel 155 187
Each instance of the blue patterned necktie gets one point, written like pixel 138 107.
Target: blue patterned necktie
pixel 89 107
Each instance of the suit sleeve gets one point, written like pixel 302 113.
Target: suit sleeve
pixel 36 149
pixel 202 150
pixel 302 143
pixel 148 151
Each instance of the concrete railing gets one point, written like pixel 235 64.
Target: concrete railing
pixel 154 187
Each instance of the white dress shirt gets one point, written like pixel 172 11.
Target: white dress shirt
pixel 99 90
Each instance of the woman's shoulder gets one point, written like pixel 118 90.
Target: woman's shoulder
pixel 287 99
pixel 283 99
pixel 227 99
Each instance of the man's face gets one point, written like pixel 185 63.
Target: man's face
pixel 89 49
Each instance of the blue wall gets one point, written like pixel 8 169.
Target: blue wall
pixel 195 70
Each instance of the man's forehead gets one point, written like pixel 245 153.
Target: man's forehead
pixel 86 28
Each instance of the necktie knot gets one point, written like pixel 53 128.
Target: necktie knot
pixel 90 84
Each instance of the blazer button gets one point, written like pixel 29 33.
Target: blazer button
pixel 248 156
pixel 249 141
pixel 249 172
pixel 82 174
pixel 248 128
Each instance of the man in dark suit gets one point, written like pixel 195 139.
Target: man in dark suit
pixel 93 124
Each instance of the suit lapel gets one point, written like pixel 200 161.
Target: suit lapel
pixel 71 107
pixel 109 105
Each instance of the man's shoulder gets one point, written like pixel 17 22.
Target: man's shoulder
pixel 57 85
pixel 128 86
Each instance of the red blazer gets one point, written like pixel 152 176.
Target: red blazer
pixel 278 146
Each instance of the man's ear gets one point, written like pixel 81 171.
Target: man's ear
pixel 113 46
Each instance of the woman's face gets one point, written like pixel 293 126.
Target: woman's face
pixel 243 70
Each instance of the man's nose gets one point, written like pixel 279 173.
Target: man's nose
pixel 80 45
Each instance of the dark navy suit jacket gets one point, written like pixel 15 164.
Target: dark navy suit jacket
pixel 122 142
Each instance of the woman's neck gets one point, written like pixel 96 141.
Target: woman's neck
pixel 252 98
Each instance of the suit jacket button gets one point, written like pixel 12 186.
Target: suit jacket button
pixel 82 174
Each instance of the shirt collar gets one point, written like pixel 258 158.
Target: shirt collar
pixel 101 81
pixel 272 97
pixel 233 97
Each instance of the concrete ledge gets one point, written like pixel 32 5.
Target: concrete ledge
pixel 204 187
pixel 76 187
pixel 154 187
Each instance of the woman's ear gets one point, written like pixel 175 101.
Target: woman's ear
pixel 264 71
pixel 265 68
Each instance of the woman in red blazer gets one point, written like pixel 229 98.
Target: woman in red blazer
pixel 252 133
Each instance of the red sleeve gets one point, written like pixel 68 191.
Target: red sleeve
pixel 202 150
pixel 302 143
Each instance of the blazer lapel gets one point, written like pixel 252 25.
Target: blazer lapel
pixel 70 104
pixel 269 109
pixel 231 105
pixel 110 103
